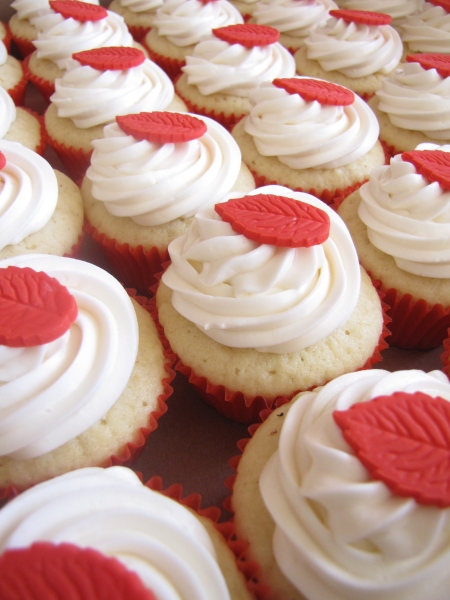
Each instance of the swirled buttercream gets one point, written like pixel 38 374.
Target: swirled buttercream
pixel 90 97
pixel 28 193
pixel 427 30
pixel 30 9
pixel 58 390
pixel 417 99
pixel 340 533
pixel 305 135
pixel 138 6
pixel 294 17
pixel 58 38
pixel 244 294
pixel 112 511
pixel 354 49
pixel 156 183
pixel 7 111
pixel 217 66
pixel 408 217
pixel 397 9
pixel 186 23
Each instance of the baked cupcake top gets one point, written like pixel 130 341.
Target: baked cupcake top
pixel 274 270
pixel 160 166
pixel 355 43
pixel 406 208
pixel 141 6
pixel 110 510
pixel 73 26
pixel 417 95
pixel 310 123
pixel 428 30
pixel 358 487
pixel 7 111
pixel 28 192
pixel 236 59
pixel 185 23
pixel 55 387
pixel 101 83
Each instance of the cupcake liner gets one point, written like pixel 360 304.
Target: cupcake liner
pixel 45 88
pixel 171 66
pixel 76 251
pixel 75 160
pixel 445 356
pixel 134 266
pixel 24 46
pixel 415 324
pixel 7 38
pixel 40 148
pixel 389 151
pixel 138 32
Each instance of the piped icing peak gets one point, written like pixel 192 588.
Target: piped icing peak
pixel 80 11
pixel 363 17
pixel 432 164
pixel 110 58
pixel 162 127
pixel 440 62
pixel 324 92
pixel 35 308
pixel 249 35
pixel 276 220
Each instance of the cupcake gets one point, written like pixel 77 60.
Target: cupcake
pixel 19 124
pixel 428 29
pixel 353 48
pixel 309 135
pixel 5 35
pixel 227 66
pixel 71 26
pixel 41 209
pixel 400 224
pixel 180 25
pixel 294 19
pixel 413 104
pixel 137 14
pixel 21 24
pixel 176 551
pixel 397 9
pixel 92 355
pixel 264 298
pixel 341 493
pixel 97 86
pixel 149 174
pixel 12 77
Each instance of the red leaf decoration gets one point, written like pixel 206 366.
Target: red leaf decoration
pixel 249 35
pixel 162 127
pixel 403 440
pixel 111 58
pixel 440 62
pixel 276 220
pixel 80 11
pixel 35 308
pixel 445 4
pixel 364 17
pixel 432 164
pixel 2 161
pixel 322 91
pixel 46 570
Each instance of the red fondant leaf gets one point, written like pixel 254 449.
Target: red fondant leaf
pixel 111 58
pixel 34 308
pixel 320 90
pixel 440 62
pixel 432 164
pixel 364 17
pixel 403 440
pixel 445 4
pixel 276 220
pixel 80 11
pixel 2 160
pixel 162 127
pixel 45 570
pixel 249 35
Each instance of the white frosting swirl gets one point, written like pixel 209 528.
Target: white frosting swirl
pixel 90 97
pixel 339 533
pixel 28 193
pixel 217 66
pixel 59 390
pixel 305 135
pixel 293 17
pixel 7 111
pixel 138 6
pixel 354 49
pixel 417 99
pixel 397 9
pixel 58 38
pixel 156 183
pixel 408 217
pixel 30 9
pixel 428 30
pixel 186 23
pixel 243 294
pixel 112 511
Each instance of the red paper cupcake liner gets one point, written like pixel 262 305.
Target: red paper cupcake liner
pixel 23 46
pixel 45 88
pixel 17 92
pixel 7 38
pixel 40 148
pixel 131 451
pixel 138 32
pixel 133 266
pixel 389 151
pixel 415 324
pixel 75 160
pixel 445 356
pixel 171 66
